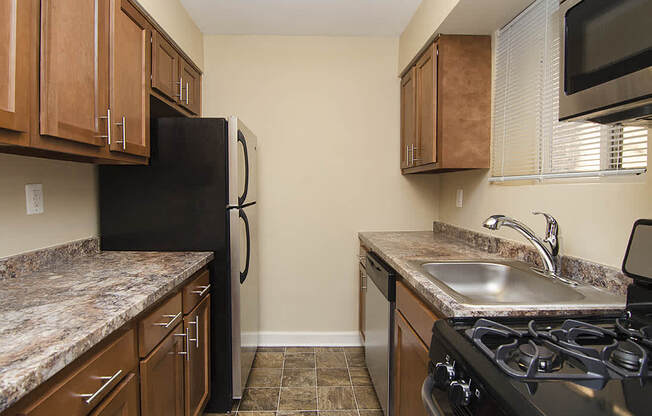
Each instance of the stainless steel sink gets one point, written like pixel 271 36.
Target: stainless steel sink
pixel 498 282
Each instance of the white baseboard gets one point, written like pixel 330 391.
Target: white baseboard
pixel 311 339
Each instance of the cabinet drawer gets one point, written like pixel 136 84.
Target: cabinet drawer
pixel 158 323
pixel 195 290
pixel 84 389
pixel 123 401
pixel 417 313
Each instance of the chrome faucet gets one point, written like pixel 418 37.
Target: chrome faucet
pixel 549 253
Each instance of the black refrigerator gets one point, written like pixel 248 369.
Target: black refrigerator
pixel 198 193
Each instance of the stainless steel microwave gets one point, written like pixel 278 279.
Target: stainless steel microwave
pixel 606 61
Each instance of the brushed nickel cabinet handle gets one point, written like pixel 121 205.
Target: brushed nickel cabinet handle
pixel 123 125
pixel 109 380
pixel 180 95
pixel 107 117
pixel 167 324
pixel 202 290
pixel 187 90
pixel 187 351
pixel 196 324
pixel 407 155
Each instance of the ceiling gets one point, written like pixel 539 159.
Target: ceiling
pixel 302 17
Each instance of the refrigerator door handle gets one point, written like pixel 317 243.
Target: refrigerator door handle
pixel 243 274
pixel 242 198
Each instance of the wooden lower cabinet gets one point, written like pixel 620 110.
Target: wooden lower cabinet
pixel 197 377
pixel 123 401
pixel 410 369
pixel 162 376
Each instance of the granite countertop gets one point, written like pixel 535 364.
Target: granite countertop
pixel 50 317
pixel 405 251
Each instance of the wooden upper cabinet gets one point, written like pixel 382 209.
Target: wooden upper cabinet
pixel 129 74
pixel 74 63
pixel 14 64
pixel 191 88
pixel 452 80
pixel 197 372
pixel 408 117
pixel 426 71
pixel 165 68
pixel 161 377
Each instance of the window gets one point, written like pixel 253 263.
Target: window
pixel 529 141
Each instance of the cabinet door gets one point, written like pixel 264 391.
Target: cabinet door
pixel 197 387
pixel 14 64
pixel 74 66
pixel 426 72
pixel 191 83
pixel 410 369
pixel 130 74
pixel 123 401
pixel 161 377
pixel 165 68
pixel 408 117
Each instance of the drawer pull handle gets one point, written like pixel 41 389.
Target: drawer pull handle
pixel 187 337
pixel 202 291
pixel 196 324
pixel 167 324
pixel 109 381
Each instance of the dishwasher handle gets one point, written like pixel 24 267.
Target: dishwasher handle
pixel 426 396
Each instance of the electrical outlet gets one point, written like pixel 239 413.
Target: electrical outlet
pixel 34 198
pixel 460 198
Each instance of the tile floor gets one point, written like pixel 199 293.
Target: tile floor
pixel 308 381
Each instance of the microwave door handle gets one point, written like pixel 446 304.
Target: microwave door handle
pixel 426 396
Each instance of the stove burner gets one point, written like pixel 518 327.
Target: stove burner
pixel 627 355
pixel 547 361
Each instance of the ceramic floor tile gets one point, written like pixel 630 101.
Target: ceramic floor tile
pixel 299 377
pixel 371 412
pixel 255 414
pixel 259 399
pixel 336 398
pixel 360 376
pixel 296 350
pixel 271 349
pixel 301 360
pixel 329 349
pixel 298 399
pixel 331 360
pixel 366 398
pixel 267 359
pixel 264 377
pixel 353 350
pixel 297 413
pixel 333 377
pixel 338 413
pixel 355 360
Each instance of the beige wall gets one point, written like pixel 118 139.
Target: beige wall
pixel 326 112
pixel 70 201
pixel 174 19
pixel 425 21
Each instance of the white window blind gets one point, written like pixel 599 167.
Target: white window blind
pixel 529 141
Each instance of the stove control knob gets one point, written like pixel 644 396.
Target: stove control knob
pixel 444 374
pixel 459 393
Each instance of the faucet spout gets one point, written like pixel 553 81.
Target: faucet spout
pixel 549 255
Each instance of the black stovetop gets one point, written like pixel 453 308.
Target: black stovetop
pixel 584 366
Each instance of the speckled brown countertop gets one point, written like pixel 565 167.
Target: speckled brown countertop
pixel 405 251
pixel 50 317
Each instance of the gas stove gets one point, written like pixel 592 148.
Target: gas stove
pixel 589 365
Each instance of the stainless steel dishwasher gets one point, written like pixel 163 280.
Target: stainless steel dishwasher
pixel 380 300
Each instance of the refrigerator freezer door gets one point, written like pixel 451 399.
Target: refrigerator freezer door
pixel 242 163
pixel 244 287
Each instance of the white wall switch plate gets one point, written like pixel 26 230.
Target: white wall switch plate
pixel 460 198
pixel 34 198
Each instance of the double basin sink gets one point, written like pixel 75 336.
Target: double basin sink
pixel 510 282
